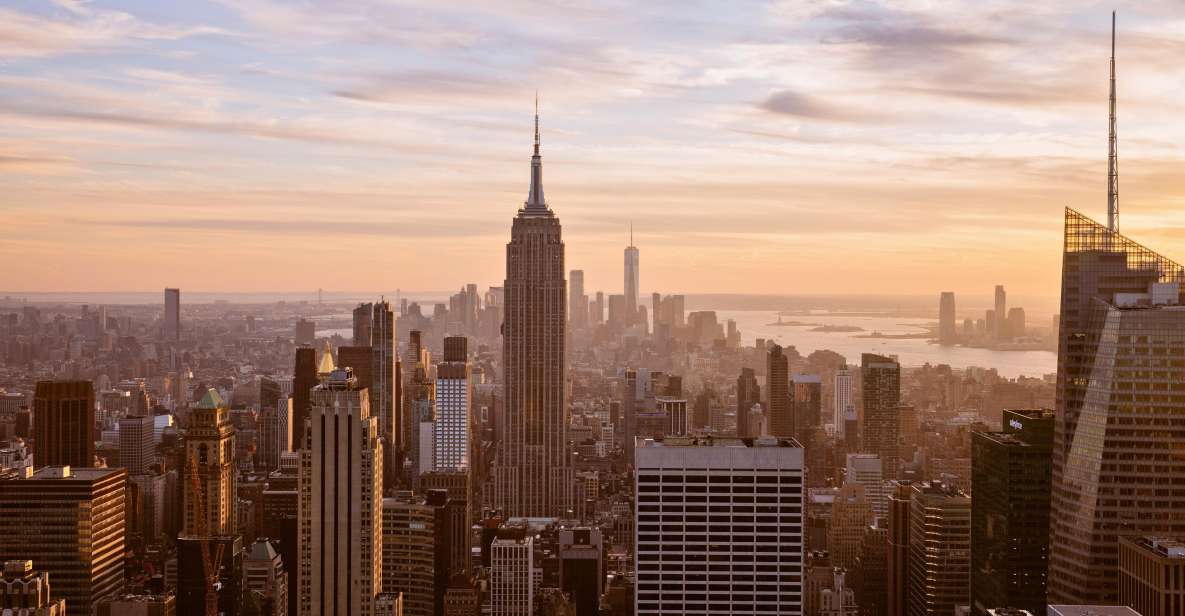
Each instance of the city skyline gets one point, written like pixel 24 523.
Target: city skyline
pixel 720 139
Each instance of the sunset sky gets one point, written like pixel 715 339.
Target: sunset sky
pixel 783 147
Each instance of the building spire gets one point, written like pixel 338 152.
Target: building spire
pixel 535 198
pixel 1113 153
pixel 631 233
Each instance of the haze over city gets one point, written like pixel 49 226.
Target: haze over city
pixel 792 147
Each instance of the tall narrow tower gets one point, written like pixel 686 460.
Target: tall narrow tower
pixel 632 276
pixel 1113 155
pixel 534 474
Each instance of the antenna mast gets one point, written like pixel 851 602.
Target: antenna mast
pixel 1113 156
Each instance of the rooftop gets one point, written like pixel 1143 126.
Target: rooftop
pixel 719 441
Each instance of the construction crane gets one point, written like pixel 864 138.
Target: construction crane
pixel 210 562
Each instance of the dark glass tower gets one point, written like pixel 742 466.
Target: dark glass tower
pixel 881 385
pixel 1117 466
pixel 779 414
pixel 534 472
pixel 1010 513
pixel 748 394
pixel 64 423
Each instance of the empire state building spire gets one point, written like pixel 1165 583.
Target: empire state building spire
pixel 535 200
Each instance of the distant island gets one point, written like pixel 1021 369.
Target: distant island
pixel 837 328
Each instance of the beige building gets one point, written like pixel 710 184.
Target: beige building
pixel 210 446
pixel 340 510
pixel 1152 575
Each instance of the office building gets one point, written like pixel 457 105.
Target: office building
pixel 881 433
pixel 64 424
pixel 306 332
pixel 265 582
pixel 171 330
pixel 1152 575
pixel 362 324
pixel 1113 454
pixel 385 389
pixel 1000 327
pixel 275 434
pixel 136 449
pixel 632 279
pixel 25 591
pixel 947 329
pixel 70 523
pixel 700 486
pixel 865 469
pixel 409 553
pixel 843 398
pixel 533 473
pixel 138 605
pixel 778 409
pixel 210 453
pixel 1011 479
pixel 807 396
pixel 900 504
pixel 304 379
pixel 512 576
pixel 341 486
pixel 748 394
pixel 939 549
pixel 454 411
pixel 581 567
pixel 577 301
pixel 851 515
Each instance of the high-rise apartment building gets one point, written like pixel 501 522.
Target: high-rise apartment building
pixel 70 522
pixel 454 411
pixel 881 386
pixel 341 487
pixel 947 330
pixel 689 491
pixel 171 329
pixel 64 424
pixel 939 549
pixel 1113 454
pixel 1011 476
pixel 210 452
pixel 512 576
pixel 778 408
pixel 1152 575
pixel 748 394
pixel 533 476
pixel 136 449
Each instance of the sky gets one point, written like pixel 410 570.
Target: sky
pixel 794 147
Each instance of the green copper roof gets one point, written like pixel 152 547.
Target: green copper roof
pixel 211 400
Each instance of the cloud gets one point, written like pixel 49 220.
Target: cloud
pixel 798 104
pixel 24 35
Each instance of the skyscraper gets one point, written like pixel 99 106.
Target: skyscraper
pixel 947 331
pixel 64 424
pixel 512 580
pixel 70 521
pixel 881 381
pixel 534 473
pixel 577 303
pixel 779 410
pixel 210 447
pixel 136 450
pixel 341 486
pixel 1010 512
pixel 409 552
pixel 755 566
pixel 632 279
pixel 362 324
pixel 843 398
pixel 865 469
pixel 900 503
pixel 807 399
pixel 304 379
pixel 939 549
pixel 748 394
pixel 1113 454
pixel 1001 314
pixel 171 330
pixel 454 411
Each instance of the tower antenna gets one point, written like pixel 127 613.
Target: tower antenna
pixel 1113 155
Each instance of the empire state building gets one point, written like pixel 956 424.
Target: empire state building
pixel 533 475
